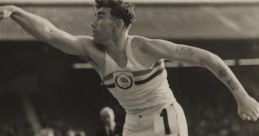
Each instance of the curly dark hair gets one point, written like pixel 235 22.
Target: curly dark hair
pixel 120 9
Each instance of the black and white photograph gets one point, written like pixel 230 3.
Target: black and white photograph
pixel 129 67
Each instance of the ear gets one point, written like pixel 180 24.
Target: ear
pixel 120 24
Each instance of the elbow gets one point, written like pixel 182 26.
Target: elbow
pixel 209 59
pixel 45 33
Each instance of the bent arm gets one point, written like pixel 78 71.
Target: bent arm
pixel 217 66
pixel 166 50
pixel 45 31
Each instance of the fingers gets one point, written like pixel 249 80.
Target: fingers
pixel 5 14
pixel 257 109
pixel 2 17
pixel 249 110
pixel 255 112
pixel 252 116
pixel 245 117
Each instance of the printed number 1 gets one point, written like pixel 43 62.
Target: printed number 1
pixel 166 123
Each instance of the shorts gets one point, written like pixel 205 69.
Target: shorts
pixel 167 121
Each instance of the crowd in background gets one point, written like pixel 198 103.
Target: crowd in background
pixel 203 120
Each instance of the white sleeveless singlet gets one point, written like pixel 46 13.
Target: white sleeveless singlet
pixel 138 89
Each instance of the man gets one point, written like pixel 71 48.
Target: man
pixel 110 127
pixel 46 132
pixel 132 67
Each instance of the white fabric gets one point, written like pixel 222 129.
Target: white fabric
pixel 145 99
pixel 151 124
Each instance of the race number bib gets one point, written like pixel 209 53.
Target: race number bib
pixel 166 122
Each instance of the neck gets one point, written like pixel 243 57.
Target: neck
pixel 117 44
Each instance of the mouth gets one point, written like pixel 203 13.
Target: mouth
pixel 94 32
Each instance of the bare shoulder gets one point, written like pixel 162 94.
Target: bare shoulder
pixel 90 50
pixel 85 40
pixel 139 42
pixel 87 43
pixel 141 47
pixel 144 43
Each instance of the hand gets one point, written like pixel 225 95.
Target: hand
pixel 248 108
pixel 6 12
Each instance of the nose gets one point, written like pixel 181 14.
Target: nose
pixel 93 24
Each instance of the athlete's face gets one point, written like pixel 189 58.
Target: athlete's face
pixel 104 25
pixel 107 118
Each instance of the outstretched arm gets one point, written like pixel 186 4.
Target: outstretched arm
pixel 43 30
pixel 248 107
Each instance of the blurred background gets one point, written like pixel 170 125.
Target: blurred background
pixel 43 89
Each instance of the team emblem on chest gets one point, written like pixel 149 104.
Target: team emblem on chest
pixel 123 80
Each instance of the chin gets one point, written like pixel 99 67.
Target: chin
pixel 99 44
pixel 99 40
pixel 96 40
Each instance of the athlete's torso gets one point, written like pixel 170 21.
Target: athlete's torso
pixel 137 88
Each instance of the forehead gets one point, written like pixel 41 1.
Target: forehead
pixel 106 113
pixel 103 11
